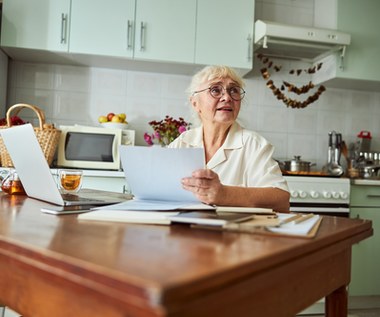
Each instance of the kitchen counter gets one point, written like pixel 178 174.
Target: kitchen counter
pixel 96 173
pixel 92 173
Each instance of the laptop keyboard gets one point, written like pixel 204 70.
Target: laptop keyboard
pixel 72 197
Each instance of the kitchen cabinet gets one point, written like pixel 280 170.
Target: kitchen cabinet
pixel 140 29
pixel 37 24
pixel 166 35
pixel 360 67
pixel 365 204
pixel 225 33
pixel 112 184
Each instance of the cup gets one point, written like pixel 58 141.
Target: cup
pixel 70 181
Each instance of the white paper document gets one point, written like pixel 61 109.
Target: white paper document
pixel 155 173
pixel 145 217
pixel 301 229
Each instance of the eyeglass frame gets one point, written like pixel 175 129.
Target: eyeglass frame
pixel 224 90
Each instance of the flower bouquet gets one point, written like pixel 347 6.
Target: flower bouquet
pixel 166 130
pixel 15 120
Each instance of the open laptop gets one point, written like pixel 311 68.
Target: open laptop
pixel 34 171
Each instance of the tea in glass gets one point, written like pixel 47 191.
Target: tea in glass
pixel 70 181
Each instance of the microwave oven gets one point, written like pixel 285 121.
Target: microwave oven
pixel 88 147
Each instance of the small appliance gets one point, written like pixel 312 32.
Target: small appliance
pixel 88 147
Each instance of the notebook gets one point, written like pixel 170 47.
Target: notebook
pixel 34 171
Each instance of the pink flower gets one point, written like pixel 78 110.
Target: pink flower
pixel 182 129
pixel 166 130
pixel 148 139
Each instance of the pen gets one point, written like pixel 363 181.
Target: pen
pixel 290 219
pixel 303 218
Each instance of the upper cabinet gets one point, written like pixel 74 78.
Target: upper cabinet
pixel 165 30
pixel 163 35
pixel 361 20
pixel 141 29
pixel 360 67
pixel 37 24
pixel 225 33
pixel 103 29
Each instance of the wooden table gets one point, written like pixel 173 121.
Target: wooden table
pixel 60 266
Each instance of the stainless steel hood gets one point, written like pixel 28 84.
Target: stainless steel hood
pixel 298 42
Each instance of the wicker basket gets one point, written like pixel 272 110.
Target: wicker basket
pixel 47 135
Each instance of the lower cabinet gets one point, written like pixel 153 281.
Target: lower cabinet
pixel 112 184
pixel 365 277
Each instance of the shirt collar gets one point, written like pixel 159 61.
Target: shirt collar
pixel 234 138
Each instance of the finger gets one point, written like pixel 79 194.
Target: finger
pixel 204 173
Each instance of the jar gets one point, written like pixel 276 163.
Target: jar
pixel 12 185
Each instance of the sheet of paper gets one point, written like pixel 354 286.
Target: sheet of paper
pixel 146 217
pixel 156 205
pixel 155 173
pixel 302 228
pixel 252 210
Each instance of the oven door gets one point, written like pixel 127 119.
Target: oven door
pixel 338 210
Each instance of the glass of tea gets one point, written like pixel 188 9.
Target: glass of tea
pixel 70 181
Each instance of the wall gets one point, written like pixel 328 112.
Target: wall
pixel 71 95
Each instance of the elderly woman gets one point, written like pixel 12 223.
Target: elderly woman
pixel 240 170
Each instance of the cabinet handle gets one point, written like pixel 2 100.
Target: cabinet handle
pixel 129 35
pixel 373 196
pixel 63 28
pixel 249 40
pixel 142 36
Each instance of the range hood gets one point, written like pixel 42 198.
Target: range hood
pixel 297 42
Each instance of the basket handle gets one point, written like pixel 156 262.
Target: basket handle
pixel 19 107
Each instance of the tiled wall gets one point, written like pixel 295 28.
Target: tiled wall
pixel 78 95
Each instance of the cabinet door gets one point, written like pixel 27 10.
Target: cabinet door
pixel 113 184
pixel 165 30
pixel 102 28
pixel 361 20
pixel 365 277
pixel 37 24
pixel 225 33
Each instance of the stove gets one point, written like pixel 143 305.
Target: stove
pixel 321 195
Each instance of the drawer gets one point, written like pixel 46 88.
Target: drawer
pixel 365 196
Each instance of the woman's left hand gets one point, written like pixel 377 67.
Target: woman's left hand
pixel 205 185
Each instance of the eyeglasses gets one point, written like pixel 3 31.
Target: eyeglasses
pixel 217 91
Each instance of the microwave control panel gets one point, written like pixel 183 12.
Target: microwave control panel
pixel 128 137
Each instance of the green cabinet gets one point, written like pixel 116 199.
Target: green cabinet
pixel 37 24
pixel 359 68
pixel 365 278
pixel 225 33
pixel 141 29
pixel 361 20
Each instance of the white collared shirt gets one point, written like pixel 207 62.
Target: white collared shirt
pixel 244 159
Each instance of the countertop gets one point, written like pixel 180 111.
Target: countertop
pixel 91 173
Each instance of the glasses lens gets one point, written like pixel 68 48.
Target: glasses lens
pixel 216 91
pixel 236 92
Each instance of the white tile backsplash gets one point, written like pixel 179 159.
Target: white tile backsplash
pixel 70 95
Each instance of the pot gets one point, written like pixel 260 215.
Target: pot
pixel 297 165
pixel 369 172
